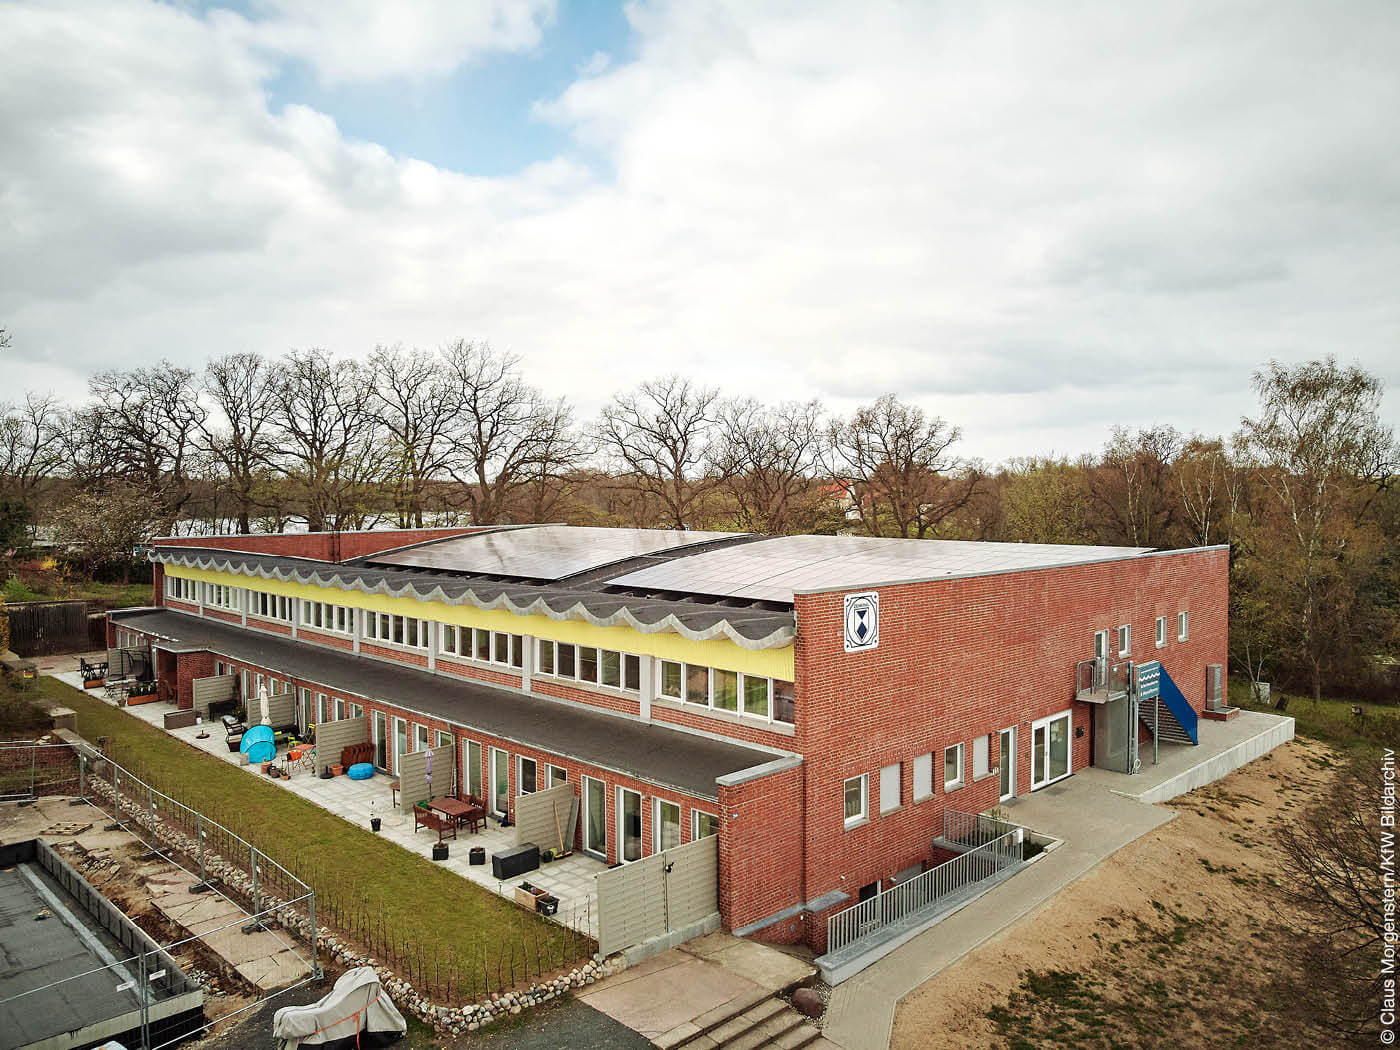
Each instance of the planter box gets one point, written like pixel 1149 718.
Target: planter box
pixel 94 683
pixel 141 698
pixel 529 896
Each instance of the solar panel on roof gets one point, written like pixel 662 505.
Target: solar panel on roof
pixel 547 552
pixel 773 569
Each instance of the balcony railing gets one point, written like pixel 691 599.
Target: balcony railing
pixel 1100 680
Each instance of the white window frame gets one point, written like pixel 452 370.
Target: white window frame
pixel 1183 625
pixel 1125 639
pixel 926 775
pixel 864 814
pixel 656 805
pixel 520 761
pixel 695 816
pixel 891 777
pixel 740 711
pixel 961 779
pixel 620 832
pixel 587 813
pixel 1044 723
pixel 380 629
pixel 625 661
pixel 1159 631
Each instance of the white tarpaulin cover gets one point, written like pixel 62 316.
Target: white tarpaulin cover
pixel 355 1006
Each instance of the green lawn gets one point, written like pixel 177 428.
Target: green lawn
pixel 109 595
pixel 402 907
pixel 1329 720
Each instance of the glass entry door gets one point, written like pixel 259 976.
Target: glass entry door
pixel 595 817
pixel 1008 763
pixel 500 782
pixel 1050 750
pixel 629 824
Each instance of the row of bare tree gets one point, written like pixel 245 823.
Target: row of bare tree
pixel 1301 491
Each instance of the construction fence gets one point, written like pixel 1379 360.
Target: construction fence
pixel 267 898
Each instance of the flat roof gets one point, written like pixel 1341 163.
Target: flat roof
pixel 541 552
pixel 658 754
pixel 776 569
pixel 746 626
pixel 44 949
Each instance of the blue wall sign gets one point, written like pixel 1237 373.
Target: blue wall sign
pixel 1149 680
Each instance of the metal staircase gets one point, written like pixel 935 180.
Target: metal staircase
pixel 1174 718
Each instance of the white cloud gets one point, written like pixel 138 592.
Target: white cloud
pixel 366 40
pixel 1037 221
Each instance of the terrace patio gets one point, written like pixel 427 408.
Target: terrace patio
pixel 572 879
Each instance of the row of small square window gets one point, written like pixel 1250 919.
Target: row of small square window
pixel 1125 633
pixel 856 789
pixel 585 663
pixel 752 696
pixel 769 699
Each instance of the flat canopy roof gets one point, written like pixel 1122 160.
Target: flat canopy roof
pixel 655 753
pixel 542 552
pixel 775 569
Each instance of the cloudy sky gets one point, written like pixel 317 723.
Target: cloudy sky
pixel 1035 219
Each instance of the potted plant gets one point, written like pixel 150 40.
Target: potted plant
pixel 337 771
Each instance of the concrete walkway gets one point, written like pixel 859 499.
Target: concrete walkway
pixel 573 880
pixel 1096 813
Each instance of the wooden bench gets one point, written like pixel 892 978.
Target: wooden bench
pixel 426 818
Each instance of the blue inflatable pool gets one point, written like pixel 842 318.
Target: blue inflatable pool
pixel 257 744
pixel 360 771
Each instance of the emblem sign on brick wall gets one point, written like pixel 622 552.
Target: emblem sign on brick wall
pixel 862 621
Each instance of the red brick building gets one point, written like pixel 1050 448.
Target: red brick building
pixel 817 702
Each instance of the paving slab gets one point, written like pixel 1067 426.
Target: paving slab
pixel 770 969
pixel 674 990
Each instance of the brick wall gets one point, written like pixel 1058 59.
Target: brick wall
pixel 317 544
pixel 272 626
pixel 962 658
pixel 157 584
pixel 188 667
pixel 760 851
pixel 331 641
pixel 744 730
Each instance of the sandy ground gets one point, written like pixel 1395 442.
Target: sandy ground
pixel 1169 943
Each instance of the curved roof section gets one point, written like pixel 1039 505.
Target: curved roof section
pixel 542 552
pixel 696 621
pixel 775 569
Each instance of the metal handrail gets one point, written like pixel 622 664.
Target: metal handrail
pixel 927 888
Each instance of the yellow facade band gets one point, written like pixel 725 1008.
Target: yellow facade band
pixel 665 645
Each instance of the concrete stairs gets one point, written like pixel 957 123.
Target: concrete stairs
pixel 751 1024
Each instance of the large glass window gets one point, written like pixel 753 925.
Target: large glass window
pixel 756 695
pixel 595 816
pixel 671 679
pixel 500 781
pixel 726 687
pixel 668 825
pixel 629 817
pixel 697 685
pixel 952 767
pixel 587 664
pixel 528 777
pixel 474 769
pixel 703 824
pixel 856 791
pixel 611 667
pixel 784 702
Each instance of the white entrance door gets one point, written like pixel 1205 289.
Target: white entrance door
pixel 629 825
pixel 1050 752
pixel 500 782
pixel 1008 763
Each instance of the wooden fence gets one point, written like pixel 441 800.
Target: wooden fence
pixel 45 628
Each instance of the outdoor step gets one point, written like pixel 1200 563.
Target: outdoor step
pixel 804 1034
pixel 762 1034
pixel 741 1023
pixel 707 1023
